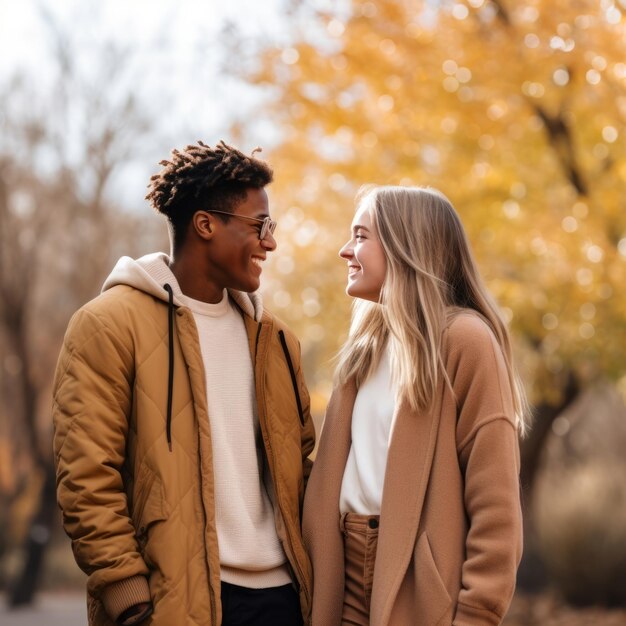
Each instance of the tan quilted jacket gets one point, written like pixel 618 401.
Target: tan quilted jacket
pixel 135 510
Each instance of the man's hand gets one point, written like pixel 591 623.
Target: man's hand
pixel 135 614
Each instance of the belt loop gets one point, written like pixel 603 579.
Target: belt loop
pixel 342 523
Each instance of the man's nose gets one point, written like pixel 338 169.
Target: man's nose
pixel 268 242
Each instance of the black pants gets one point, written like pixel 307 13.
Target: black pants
pixel 273 606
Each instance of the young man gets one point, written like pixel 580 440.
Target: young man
pixel 182 424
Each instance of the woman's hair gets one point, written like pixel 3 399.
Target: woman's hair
pixel 431 275
pixel 201 177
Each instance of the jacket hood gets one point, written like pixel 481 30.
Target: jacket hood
pixel 151 272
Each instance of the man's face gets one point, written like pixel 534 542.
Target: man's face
pixel 236 253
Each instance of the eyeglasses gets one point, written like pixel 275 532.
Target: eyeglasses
pixel 268 225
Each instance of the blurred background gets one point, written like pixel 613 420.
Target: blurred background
pixel 515 109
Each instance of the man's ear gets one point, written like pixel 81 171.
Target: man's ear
pixel 203 224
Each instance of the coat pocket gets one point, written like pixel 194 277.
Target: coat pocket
pixel 433 600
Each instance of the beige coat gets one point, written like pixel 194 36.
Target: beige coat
pixel 450 535
pixel 134 509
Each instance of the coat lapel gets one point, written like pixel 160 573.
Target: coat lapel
pixel 409 462
pixel 321 508
pixel 337 431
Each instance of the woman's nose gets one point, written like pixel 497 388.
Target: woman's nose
pixel 346 251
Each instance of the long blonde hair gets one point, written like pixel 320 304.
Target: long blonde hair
pixel 431 274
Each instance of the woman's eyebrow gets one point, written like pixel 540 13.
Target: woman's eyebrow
pixel 360 227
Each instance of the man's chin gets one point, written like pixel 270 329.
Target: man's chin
pixel 249 286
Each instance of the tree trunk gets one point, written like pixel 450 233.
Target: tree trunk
pixel 22 589
pixel 532 575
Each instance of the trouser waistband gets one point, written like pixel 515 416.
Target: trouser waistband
pixel 358 523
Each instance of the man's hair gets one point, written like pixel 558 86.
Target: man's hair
pixel 203 178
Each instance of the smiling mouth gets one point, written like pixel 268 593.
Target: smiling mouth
pixel 353 269
pixel 257 261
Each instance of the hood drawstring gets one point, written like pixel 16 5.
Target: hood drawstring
pixel 170 377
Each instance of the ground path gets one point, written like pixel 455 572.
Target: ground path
pixel 68 609
pixel 50 609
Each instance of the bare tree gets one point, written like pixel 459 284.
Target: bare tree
pixel 59 232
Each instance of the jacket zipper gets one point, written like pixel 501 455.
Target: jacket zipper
pixel 294 382
pixel 212 598
pixel 212 595
pixel 277 487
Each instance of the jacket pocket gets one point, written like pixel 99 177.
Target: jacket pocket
pixel 433 600
pixel 149 506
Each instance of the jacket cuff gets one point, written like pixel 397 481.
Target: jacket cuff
pixel 121 595
pixel 475 616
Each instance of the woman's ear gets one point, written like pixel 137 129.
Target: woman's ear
pixel 203 224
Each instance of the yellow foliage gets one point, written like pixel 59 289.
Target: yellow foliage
pixel 515 109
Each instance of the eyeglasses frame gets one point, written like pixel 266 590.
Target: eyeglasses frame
pixel 268 225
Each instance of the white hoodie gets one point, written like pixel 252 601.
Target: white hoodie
pixel 150 272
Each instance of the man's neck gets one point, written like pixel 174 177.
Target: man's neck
pixel 192 279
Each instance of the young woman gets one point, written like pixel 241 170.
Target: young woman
pixel 412 512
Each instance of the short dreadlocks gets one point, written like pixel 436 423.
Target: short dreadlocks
pixel 202 178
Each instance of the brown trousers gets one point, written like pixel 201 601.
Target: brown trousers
pixel 360 539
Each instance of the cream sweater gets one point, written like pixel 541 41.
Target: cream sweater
pixel 372 426
pixel 250 552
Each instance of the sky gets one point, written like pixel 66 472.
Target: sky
pixel 140 22
pixel 179 49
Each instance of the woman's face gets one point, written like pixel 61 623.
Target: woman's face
pixel 364 253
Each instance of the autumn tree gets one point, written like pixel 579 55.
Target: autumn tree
pixel 516 110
